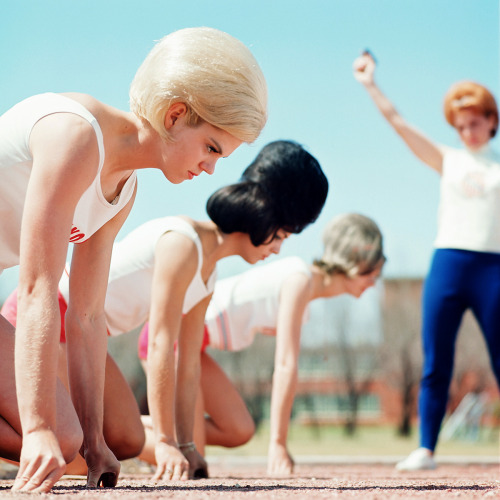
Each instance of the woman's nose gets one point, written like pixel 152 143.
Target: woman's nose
pixel 209 166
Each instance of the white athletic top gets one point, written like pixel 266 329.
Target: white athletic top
pixel 92 210
pixel 128 298
pixel 247 302
pixel 469 208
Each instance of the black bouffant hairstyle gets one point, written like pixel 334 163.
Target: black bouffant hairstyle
pixel 284 188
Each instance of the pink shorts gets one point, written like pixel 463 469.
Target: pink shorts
pixel 9 311
pixel 143 341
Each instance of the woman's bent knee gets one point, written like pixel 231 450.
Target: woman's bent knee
pixel 127 445
pixel 242 433
pixel 248 432
pixel 70 442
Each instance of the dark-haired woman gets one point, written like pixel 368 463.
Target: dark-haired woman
pixel 273 299
pixel 165 271
pixel 251 219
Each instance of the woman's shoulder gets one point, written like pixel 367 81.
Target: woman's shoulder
pixel 449 150
pixel 285 266
pixel 89 102
pixel 110 119
pixel 297 264
pixel 34 108
pixel 176 224
pixel 486 153
pixel 159 228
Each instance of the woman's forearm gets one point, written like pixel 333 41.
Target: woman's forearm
pixel 161 391
pixel 187 386
pixel 36 343
pixel 282 397
pixel 87 349
pixel 417 142
pixel 384 105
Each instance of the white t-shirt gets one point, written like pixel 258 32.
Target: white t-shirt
pixel 247 302
pixel 92 210
pixel 469 208
pixel 128 298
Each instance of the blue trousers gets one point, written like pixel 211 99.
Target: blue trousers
pixel 458 280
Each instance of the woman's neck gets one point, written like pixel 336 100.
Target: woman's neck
pixel 481 150
pixel 326 285
pixel 137 145
pixel 216 245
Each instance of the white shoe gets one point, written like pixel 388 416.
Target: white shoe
pixel 419 459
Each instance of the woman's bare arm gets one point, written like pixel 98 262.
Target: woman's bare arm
pixel 419 144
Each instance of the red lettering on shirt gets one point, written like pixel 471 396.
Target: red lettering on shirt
pixel 76 235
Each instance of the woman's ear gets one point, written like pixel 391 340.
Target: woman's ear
pixel 177 111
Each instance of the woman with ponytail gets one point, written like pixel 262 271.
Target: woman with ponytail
pixel 273 299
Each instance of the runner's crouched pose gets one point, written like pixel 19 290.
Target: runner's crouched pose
pixel 68 165
pixel 165 270
pixel 273 299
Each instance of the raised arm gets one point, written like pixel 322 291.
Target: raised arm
pixel 294 297
pixel 419 144
pixel 87 346
pixel 65 159
pixel 176 260
pixel 188 384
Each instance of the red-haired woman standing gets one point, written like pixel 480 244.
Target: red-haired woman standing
pixel 465 269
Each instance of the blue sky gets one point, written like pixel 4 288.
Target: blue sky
pixel 306 50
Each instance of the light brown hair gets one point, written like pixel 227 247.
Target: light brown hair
pixel 353 245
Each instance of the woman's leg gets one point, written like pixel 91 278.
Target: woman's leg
pixel 228 423
pixel 443 308
pixel 148 451
pixel 122 426
pixel 123 429
pixel 220 410
pixel 68 432
pixel 485 300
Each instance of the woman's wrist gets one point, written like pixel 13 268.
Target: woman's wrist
pixel 93 442
pixel 187 447
pixel 165 439
pixel 277 441
pixel 369 84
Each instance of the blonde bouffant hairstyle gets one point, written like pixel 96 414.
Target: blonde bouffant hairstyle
pixel 213 73
pixel 353 246
pixel 473 96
